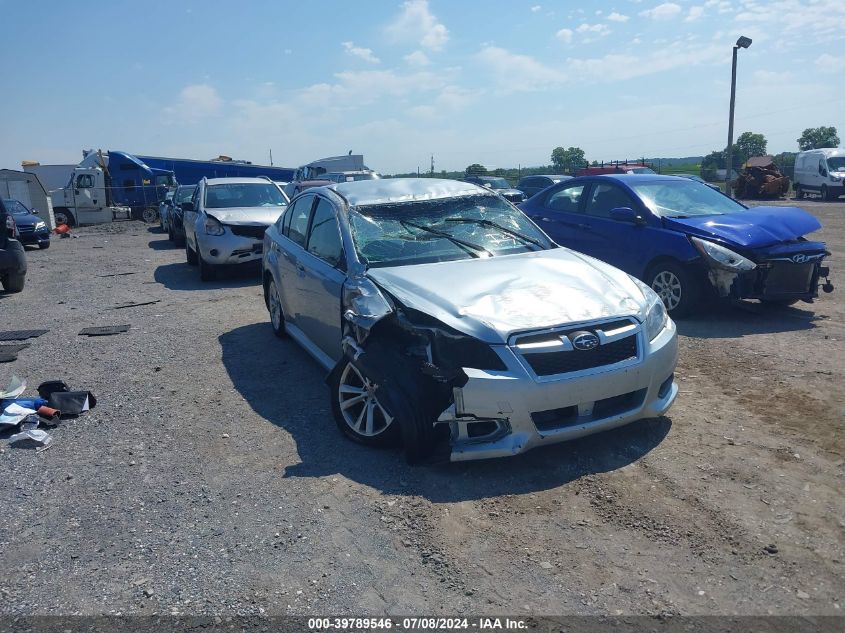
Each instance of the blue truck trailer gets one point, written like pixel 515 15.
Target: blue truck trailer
pixel 190 172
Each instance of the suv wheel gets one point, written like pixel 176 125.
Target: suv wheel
pixel 208 272
pixel 190 255
pixel 14 282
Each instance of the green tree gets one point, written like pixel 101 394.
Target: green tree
pixel 815 137
pixel 476 169
pixel 568 159
pixel 750 144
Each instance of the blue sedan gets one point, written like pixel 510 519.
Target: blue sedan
pixel 32 230
pixel 685 239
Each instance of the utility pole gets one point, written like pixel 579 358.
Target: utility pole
pixel 432 165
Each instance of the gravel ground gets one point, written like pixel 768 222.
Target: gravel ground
pixel 211 479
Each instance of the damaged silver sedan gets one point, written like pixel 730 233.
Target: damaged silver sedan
pixel 447 319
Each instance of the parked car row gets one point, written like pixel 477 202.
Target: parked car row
pixel 467 327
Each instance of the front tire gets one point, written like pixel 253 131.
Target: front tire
pixel 357 411
pixel 63 216
pixel 190 255
pixel 676 286
pixel 149 215
pixel 207 271
pixel 14 282
pixel 44 245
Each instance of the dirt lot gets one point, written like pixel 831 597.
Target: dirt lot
pixel 211 478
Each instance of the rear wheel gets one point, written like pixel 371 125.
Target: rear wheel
pixel 676 286
pixel 14 282
pixel 277 315
pixel 357 410
pixel 149 215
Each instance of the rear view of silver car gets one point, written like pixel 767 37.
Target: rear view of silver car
pixel 447 319
pixel 226 219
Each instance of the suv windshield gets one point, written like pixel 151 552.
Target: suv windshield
pixel 683 198
pixel 243 195
pixel 442 230
pixel 15 208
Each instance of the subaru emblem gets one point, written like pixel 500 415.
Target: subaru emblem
pixel 584 341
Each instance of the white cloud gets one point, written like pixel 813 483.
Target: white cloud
pixel 793 19
pixel 594 29
pixel 615 67
pixel 564 35
pixel 518 72
pixel 536 8
pixel 418 59
pixel 664 11
pixel 617 17
pixel 195 102
pixel 362 53
pixel 827 63
pixel 417 23
pixel 694 14
pixel 450 100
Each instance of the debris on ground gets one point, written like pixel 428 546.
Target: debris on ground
pixel 135 305
pixel 761 178
pixel 20 335
pixel 104 330
pixel 9 353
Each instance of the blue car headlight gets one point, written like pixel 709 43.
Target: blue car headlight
pixel 40 225
pixel 721 257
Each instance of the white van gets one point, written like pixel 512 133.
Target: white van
pixel 820 171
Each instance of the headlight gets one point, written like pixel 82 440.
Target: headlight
pixel 40 225
pixel 213 227
pixel 363 303
pixel 656 316
pixel 722 257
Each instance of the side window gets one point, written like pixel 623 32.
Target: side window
pixel 566 200
pixel 324 237
pixel 822 168
pixel 297 225
pixel 606 197
pixel 85 181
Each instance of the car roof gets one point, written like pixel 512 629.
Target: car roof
pixel 239 181
pixel 627 178
pixel 547 176
pixel 392 190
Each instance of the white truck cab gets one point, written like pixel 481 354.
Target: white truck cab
pixel 85 199
pixel 820 171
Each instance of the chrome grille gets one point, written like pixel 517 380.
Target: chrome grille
pixel 551 353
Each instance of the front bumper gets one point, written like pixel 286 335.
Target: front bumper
pixel 521 412
pixel 33 237
pixel 229 248
pixel 776 279
pixel 12 258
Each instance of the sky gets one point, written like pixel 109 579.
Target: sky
pixel 471 81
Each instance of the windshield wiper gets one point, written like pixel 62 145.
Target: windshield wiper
pixel 469 247
pixel 495 225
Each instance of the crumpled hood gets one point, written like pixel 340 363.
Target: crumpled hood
pixel 756 227
pixel 492 298
pixel 247 215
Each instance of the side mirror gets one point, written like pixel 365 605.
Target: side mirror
pixel 626 214
pixel 187 206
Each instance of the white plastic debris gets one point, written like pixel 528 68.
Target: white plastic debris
pixel 16 387
pixel 13 414
pixel 36 435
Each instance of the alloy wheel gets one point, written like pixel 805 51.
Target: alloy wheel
pixel 275 306
pixel 668 287
pixel 359 406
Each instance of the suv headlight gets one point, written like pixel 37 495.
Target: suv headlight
pixel 722 257
pixel 213 226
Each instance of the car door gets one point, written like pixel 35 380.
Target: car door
pixel 291 249
pixel 189 217
pixel 320 277
pixel 561 215
pixel 623 244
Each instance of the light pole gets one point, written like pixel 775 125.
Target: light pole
pixel 742 42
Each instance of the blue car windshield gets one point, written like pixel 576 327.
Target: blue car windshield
pixel 684 198
pixel 442 230
pixel 15 208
